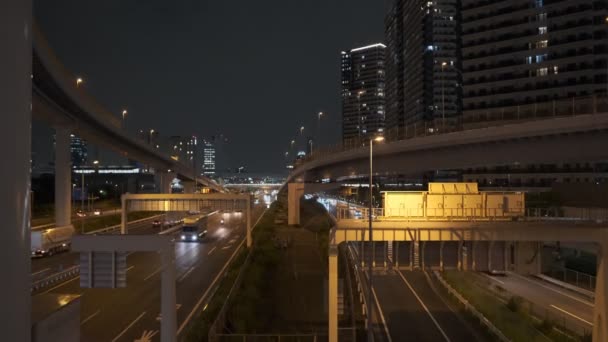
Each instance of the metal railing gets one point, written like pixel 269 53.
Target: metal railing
pixel 579 279
pixel 417 214
pixel 483 118
pixel 56 278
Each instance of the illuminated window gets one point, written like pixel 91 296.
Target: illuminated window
pixel 542 72
pixel 541 44
pixel 555 69
pixel 541 58
pixel 529 60
pixel 542 30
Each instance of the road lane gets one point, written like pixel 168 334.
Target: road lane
pixel 110 311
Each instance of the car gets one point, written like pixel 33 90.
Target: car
pixel 156 223
pixel 96 212
pixel 81 213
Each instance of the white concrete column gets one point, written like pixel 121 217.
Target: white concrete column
pixel 527 257
pixel 333 294
pixel 441 255
pixel 600 310
pixel 15 142
pixel 168 309
pixel 63 177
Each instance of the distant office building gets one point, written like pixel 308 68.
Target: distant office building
pixel 78 150
pixel 208 158
pixel 183 149
pixel 363 93
pixel 524 59
pixel 423 63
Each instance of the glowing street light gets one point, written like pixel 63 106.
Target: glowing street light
pixel 301 130
pixel 78 81
pixel 124 114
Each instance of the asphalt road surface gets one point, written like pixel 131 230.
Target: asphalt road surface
pixel 413 311
pixel 133 312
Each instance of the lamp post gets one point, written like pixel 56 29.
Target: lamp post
pixel 443 65
pixel 78 81
pixel 124 114
pixel 370 307
pixel 319 115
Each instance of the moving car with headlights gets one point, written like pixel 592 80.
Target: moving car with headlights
pixel 195 228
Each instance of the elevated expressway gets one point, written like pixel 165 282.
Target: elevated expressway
pixel 57 100
pixel 580 138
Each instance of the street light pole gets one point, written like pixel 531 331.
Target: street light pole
pixel 124 114
pixel 370 306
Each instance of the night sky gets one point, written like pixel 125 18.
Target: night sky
pixel 254 71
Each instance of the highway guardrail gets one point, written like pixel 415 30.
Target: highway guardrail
pixel 56 278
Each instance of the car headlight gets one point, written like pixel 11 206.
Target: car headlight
pixel 183 237
pixel 194 237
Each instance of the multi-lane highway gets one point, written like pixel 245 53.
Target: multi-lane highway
pixel 131 313
pixel 44 267
pixel 410 305
pixel 564 306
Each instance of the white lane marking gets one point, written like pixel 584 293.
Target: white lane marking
pixel 217 277
pixel 146 335
pixel 571 314
pixel 211 251
pixel 492 278
pixel 152 274
pixel 388 335
pixel 44 270
pixel 129 326
pixel 424 306
pixel 60 285
pixel 130 268
pixel 554 290
pixel 186 274
pixel 89 318
pixel 227 247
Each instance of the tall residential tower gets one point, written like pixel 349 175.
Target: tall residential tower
pixel 363 93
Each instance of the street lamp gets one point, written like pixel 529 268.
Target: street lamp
pixel 301 130
pixel 443 65
pixel 78 81
pixel 370 306
pixel 319 115
pixel 124 114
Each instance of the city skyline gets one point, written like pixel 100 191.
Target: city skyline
pixel 226 101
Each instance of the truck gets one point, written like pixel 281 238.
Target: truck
pixel 50 241
pixel 195 227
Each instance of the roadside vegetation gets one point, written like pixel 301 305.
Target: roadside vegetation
pixel 510 314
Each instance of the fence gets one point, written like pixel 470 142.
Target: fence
pixel 56 278
pixel 579 279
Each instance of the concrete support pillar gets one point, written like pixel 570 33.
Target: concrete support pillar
pixel 460 243
pixel 600 311
pixel 333 294
pixel 163 181
pixel 396 251
pixel 168 308
pixel 63 178
pixel 189 187
pixel 474 255
pixel 294 193
pixel 123 215
pixel 527 257
pixel 490 247
pixel 15 142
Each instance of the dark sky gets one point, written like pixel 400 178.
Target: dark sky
pixel 254 71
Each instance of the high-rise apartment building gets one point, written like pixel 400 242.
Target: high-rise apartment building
pixel 78 150
pixel 532 58
pixel 363 93
pixel 183 149
pixel 208 158
pixel 423 63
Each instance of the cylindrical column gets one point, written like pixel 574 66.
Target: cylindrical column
pixel 15 142
pixel 168 328
pixel 123 215
pixel 63 178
